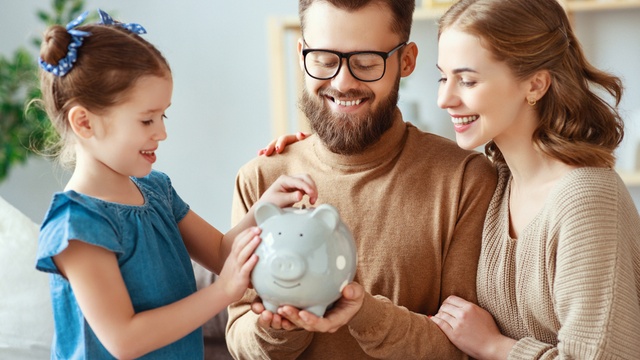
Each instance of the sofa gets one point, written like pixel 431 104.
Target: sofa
pixel 215 346
pixel 26 319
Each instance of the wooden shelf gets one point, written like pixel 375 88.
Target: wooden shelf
pixel 599 5
pixel 630 178
pixel 433 10
pixel 426 13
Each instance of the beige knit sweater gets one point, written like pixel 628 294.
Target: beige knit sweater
pixel 416 204
pixel 569 287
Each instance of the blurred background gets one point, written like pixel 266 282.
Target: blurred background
pixel 220 53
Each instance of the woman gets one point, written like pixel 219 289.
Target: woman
pixel 559 272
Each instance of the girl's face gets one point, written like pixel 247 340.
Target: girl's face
pixel 128 134
pixel 485 101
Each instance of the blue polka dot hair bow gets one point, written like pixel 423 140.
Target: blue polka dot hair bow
pixel 77 36
pixel 66 63
pixel 106 19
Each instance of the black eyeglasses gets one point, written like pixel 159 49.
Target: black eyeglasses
pixel 365 66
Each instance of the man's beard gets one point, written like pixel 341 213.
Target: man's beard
pixel 349 134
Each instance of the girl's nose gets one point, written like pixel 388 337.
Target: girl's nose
pixel 161 132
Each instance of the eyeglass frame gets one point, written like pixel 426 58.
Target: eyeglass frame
pixel 347 56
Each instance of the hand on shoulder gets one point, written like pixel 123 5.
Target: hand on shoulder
pixel 277 146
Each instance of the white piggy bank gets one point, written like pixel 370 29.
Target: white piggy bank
pixel 306 257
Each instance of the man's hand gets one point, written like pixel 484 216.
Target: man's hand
pixel 269 320
pixel 343 311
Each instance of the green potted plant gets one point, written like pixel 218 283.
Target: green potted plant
pixel 24 127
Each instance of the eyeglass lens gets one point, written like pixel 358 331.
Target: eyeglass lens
pixel 364 66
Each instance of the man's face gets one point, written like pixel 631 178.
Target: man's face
pixel 348 114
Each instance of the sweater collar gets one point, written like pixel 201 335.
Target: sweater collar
pixel 387 147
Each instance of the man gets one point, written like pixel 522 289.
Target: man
pixel 415 202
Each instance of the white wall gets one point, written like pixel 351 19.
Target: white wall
pixel 220 115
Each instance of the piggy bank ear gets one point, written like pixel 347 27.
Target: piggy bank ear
pixel 327 214
pixel 264 211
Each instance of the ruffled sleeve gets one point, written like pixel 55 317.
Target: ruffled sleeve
pixel 73 216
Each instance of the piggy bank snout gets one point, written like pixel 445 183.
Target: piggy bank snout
pixel 287 266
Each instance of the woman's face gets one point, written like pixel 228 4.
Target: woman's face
pixel 483 98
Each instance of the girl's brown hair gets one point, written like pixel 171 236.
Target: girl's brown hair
pixel 577 126
pixel 110 61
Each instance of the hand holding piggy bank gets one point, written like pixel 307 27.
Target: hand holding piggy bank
pixel 306 257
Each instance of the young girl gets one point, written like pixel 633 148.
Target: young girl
pixel 118 240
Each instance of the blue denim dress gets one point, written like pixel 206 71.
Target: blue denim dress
pixel 154 262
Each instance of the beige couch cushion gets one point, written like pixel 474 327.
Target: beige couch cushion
pixel 215 346
pixel 26 320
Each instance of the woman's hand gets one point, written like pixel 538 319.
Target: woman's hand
pixel 472 329
pixel 281 142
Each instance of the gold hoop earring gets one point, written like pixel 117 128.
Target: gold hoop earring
pixel 532 102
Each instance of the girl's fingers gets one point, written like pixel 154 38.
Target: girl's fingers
pixel 307 179
pixel 242 239
pixel 248 266
pixel 245 236
pixel 302 182
pixel 247 250
pixel 310 187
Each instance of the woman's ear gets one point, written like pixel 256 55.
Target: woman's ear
pixel 408 58
pixel 539 83
pixel 80 121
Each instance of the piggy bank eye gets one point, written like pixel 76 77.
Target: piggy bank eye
pixel 301 235
pixel 280 233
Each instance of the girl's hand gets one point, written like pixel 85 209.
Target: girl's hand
pixel 472 329
pixel 281 142
pixel 288 190
pixel 236 273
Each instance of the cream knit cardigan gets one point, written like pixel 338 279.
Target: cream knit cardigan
pixel 569 287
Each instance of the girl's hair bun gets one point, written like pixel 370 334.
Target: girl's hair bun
pixel 55 43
